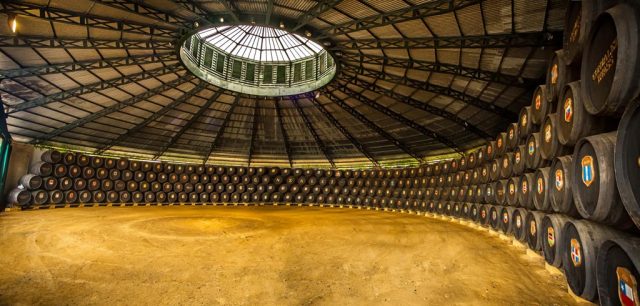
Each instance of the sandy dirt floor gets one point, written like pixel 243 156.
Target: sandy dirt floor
pixel 260 256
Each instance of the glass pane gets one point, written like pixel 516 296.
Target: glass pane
pixel 323 59
pixel 297 72
pixel 187 43
pixel 308 70
pixel 196 46
pixel 236 71
pixel 208 57
pixel 220 63
pixel 268 74
pixel 281 75
pixel 251 71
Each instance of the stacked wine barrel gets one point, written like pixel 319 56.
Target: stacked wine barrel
pixel 564 179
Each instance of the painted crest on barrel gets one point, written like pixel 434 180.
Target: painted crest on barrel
pixel 588 170
pixel 554 73
pixel 523 121
pixel 494 215
pixel 512 188
pixel 489 149
pixel 576 253
pixel 505 218
pixel 517 157
pixel 525 186
pixel 499 142
pixel 568 110
pixel 547 133
pixel 538 103
pixel 559 180
pixel 532 147
pixel 505 161
pixel 532 227
pixel 518 221
pixel 551 236
pixel 627 287
pixel 483 214
pixel 540 185
pixel 511 133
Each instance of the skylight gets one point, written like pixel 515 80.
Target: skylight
pixel 258 60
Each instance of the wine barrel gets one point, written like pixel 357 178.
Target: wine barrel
pixel 580 243
pixel 114 174
pixel 561 177
pixel 84 196
pixel 51 156
pixel 594 184
pixel 513 136
pixel 552 226
pixel 65 183
pixel 137 197
pixel 494 171
pixel 31 181
pixel 501 144
pixel 88 172
pixel 540 105
pixel 506 221
pixel 512 191
pixel 96 161
pixel 550 146
pixel 472 159
pixel 574 122
pixel 74 171
pixel 494 216
pixel 70 196
pixel 149 197
pixel 69 158
pixel 122 164
pixel 146 167
pixel 60 170
pixel 579 17
pixel 534 158
pixel 79 184
pixel 82 160
pixel 541 196
pixel 627 161
pixel 474 212
pixel 19 196
pixel 484 173
pixel 484 215
pixel 525 124
pixel 41 168
pixel 50 183
pixel 119 185
pixel 110 163
pixel 112 196
pixel 610 65
pixel 506 165
pixel 533 227
pixel 39 197
pixel 519 230
pixel 126 175
pixel 93 184
pixel 489 193
pixel 501 192
pixel 558 75
pixel 617 271
pixel 135 165
pixel 56 197
pixel 490 151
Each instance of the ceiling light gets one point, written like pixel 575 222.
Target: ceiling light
pixel 307 33
pixel 13 23
pixel 196 24
pixel 221 19
pixel 281 25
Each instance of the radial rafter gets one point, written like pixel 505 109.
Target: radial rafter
pixel 141 8
pixel 327 154
pixel 83 43
pixel 87 20
pixel 186 96
pixel 189 124
pixel 344 131
pixel 402 119
pixel 371 125
pixel 442 90
pixel 321 7
pixel 254 132
pixel 218 138
pixel 283 132
pixel 431 8
pixel 93 87
pixel 113 108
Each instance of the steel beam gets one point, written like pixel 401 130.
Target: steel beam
pixel 431 8
pixel 427 132
pixel 156 115
pixel 114 62
pixel 344 132
pixel 83 43
pixel 254 132
pixel 429 66
pixel 267 17
pixel 321 7
pixel 189 124
pixel 220 132
pixel 93 87
pixel 424 106
pixel 497 41
pixel 316 137
pixel 369 124
pixel 142 9
pixel 203 13
pixel 60 15
pixel 283 131
pixel 113 108
pixel 441 90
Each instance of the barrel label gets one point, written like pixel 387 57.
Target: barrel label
pixel 547 133
pixel 505 218
pixel 525 187
pixel 511 134
pixel 483 214
pixel 607 61
pixel 512 188
pixel 538 102
pixel 559 180
pixel 499 142
pixel 568 110
pixel 588 171
pixel 517 157
pixel 532 147
pixel 489 149
pixel 551 236
pixel 523 120
pixel 540 185
pixel 532 227
pixel 576 253
pixel 628 287
pixel 554 73
pixel 575 30
pixel 518 221
pixel 494 215
pixel 505 162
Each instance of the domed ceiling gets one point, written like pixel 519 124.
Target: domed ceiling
pixel 415 79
